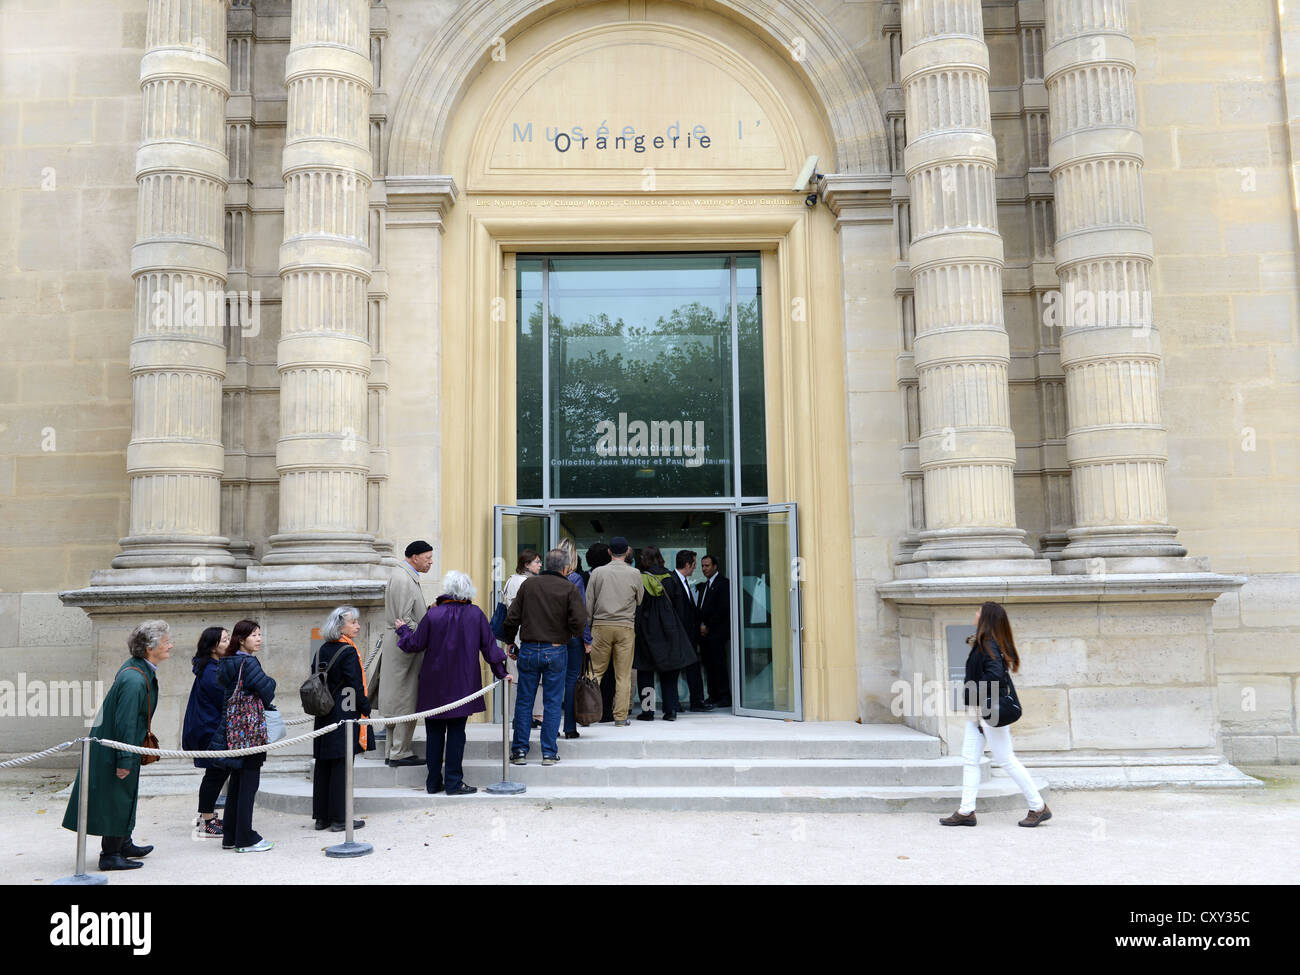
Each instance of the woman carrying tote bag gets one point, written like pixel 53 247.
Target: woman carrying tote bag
pixel 241 674
pixel 992 706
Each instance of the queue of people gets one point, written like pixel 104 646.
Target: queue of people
pixel 619 617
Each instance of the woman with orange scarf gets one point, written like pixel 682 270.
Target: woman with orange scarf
pixel 345 676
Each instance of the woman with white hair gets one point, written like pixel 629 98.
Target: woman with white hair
pixel 340 660
pixel 453 635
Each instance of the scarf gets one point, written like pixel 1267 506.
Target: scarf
pixel 362 728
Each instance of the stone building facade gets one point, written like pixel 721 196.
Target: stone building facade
pixel 1034 340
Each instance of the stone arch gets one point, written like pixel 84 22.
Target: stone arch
pixel 443 71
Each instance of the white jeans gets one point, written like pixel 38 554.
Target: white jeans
pixel 999 740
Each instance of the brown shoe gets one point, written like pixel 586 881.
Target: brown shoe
pixel 1034 818
pixel 958 818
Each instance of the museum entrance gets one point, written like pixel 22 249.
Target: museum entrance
pixel 641 412
pixel 755 548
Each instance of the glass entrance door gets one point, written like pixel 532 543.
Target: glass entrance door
pixel 767 611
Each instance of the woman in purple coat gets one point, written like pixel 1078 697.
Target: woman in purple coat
pixel 453 633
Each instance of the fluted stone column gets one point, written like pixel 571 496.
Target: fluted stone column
pixel 967 451
pixel 324 353
pixel 1110 350
pixel 175 459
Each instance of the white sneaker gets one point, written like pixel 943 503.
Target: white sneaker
pixel 261 846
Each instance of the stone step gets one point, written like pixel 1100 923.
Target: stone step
pixel 293 795
pixel 702 736
pixel 688 772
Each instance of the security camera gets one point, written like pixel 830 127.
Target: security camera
pixel 806 175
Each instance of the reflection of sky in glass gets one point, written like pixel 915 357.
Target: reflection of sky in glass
pixel 640 291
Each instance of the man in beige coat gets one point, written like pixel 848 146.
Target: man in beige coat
pixel 401 671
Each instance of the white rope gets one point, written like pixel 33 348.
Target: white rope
pixel 283 742
pixel 225 753
pixel 15 762
pixel 430 713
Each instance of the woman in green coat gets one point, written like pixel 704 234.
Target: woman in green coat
pixel 115 775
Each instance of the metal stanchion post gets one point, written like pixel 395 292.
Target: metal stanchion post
pixel 505 787
pixel 348 848
pixel 83 809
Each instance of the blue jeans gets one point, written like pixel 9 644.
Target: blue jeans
pixel 573 670
pixel 544 663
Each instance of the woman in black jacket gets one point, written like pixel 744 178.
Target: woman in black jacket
pixel 991 659
pixel 662 645
pixel 239 668
pixel 347 686
pixel 203 717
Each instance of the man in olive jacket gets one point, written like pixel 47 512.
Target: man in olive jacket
pixel 114 780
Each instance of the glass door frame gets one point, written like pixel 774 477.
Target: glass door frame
pixel 733 512
pixel 500 571
pixel 794 580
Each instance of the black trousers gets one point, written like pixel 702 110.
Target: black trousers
pixel 716 655
pixel 328 785
pixel 669 702
pixel 210 788
pixel 607 695
pixel 444 749
pixel 694 683
pixel 237 826
pixel 111 844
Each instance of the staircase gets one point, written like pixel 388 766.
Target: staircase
pixel 699 762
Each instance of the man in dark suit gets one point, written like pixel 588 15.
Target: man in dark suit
pixel 713 607
pixel 678 587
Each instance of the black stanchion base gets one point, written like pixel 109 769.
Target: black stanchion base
pixel 506 789
pixel 345 850
pixel 82 880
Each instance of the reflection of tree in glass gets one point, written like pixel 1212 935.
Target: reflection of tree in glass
pixel 677 369
pixel 643 372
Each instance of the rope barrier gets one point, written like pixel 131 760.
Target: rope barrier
pixel 122 746
pixel 15 762
pixel 284 742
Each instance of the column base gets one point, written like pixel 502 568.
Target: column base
pixel 1123 541
pixel 972 568
pixel 318 572
pixel 954 544
pixel 1136 565
pixel 188 552
pixel 310 549
pixel 166 575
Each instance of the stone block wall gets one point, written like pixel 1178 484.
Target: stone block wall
pixel 69 128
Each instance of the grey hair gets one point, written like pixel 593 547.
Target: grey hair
pixel 557 560
pixel 333 628
pixel 146 637
pixel 458 585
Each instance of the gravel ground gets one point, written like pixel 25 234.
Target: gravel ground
pixel 1137 837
